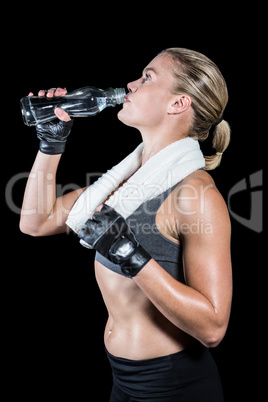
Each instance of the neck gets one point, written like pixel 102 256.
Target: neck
pixel 155 144
pixel 159 137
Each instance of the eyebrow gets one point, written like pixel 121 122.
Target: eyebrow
pixel 149 69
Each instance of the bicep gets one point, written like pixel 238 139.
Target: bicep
pixel 55 223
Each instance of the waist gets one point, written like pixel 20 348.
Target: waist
pixel 161 376
pixel 144 338
pixel 122 362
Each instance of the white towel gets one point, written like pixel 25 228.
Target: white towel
pixel 162 171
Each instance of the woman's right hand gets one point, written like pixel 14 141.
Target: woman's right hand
pixel 61 114
pixel 53 135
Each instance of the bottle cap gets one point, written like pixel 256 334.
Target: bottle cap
pixel 120 94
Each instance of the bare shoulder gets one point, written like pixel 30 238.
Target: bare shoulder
pixel 195 190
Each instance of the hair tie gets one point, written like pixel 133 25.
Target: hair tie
pixel 219 153
pixel 218 121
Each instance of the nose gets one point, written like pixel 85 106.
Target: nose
pixel 132 86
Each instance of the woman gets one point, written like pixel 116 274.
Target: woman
pixel 169 297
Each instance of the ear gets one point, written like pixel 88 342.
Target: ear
pixel 179 104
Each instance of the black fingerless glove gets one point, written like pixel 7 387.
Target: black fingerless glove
pixel 109 234
pixel 53 136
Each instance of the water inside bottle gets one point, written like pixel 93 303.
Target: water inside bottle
pixel 84 102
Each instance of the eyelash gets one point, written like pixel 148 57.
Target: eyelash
pixel 146 78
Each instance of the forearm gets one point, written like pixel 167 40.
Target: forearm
pixel 182 305
pixel 40 193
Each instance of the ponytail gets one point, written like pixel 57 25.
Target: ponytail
pixel 221 139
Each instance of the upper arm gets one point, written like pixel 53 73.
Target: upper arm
pixel 61 210
pixel 205 234
pixel 55 223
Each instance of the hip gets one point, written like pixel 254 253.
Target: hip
pixel 188 375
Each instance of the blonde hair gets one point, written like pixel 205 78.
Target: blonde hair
pixel 197 76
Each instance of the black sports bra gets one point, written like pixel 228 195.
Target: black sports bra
pixel 166 252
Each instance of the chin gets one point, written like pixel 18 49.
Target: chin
pixel 123 118
pixel 126 118
pixel 119 115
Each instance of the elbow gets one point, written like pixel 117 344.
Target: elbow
pixel 215 328
pixel 213 337
pixel 27 229
pixel 212 342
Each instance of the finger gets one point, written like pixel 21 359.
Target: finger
pixel 30 94
pixel 87 230
pixel 62 115
pixel 60 92
pixel 98 209
pixel 41 92
pixel 50 92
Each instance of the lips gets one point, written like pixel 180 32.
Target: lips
pixel 126 99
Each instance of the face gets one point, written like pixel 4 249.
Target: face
pixel 148 98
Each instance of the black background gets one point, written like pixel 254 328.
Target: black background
pixel 54 315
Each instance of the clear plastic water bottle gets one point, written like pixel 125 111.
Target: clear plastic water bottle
pixel 83 102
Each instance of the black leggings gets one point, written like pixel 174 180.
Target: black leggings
pixel 188 376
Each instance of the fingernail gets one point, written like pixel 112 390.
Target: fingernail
pixel 59 111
